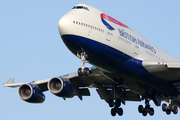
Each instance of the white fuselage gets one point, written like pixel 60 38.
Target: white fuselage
pixel 88 24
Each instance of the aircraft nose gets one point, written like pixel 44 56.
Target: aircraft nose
pixel 64 24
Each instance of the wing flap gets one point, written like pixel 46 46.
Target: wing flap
pixel 126 96
pixel 168 64
pixel 169 71
pixel 173 65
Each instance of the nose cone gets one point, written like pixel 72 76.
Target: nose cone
pixel 64 24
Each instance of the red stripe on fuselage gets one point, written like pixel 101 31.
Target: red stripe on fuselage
pixel 104 16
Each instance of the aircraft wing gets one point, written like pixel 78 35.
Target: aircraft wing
pixel 96 76
pixel 169 71
pixel 10 83
pixel 73 84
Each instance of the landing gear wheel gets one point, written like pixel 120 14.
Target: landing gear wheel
pixel 175 110
pixel 151 112
pixel 168 112
pixel 113 111
pixel 140 108
pixel 170 108
pixel 86 71
pixel 147 109
pixel 111 103
pixel 120 111
pixel 144 113
pixel 80 73
pixel 164 107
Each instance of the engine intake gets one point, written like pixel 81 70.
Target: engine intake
pixel 61 88
pixel 31 94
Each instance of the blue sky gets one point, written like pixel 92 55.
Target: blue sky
pixel 31 49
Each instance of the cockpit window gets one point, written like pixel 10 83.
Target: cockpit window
pixel 86 8
pixel 74 7
pixel 80 7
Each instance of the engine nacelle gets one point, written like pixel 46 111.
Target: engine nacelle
pixel 31 94
pixel 61 88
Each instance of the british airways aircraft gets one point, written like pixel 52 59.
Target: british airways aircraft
pixel 127 67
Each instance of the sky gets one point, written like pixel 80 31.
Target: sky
pixel 32 49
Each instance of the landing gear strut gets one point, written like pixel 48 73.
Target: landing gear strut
pixel 83 71
pixel 170 108
pixel 147 109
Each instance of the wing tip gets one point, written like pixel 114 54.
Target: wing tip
pixel 11 80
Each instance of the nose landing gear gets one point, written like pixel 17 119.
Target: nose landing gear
pixel 83 71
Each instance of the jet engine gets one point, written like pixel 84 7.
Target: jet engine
pixel 31 94
pixel 61 88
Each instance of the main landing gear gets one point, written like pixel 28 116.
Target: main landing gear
pixel 147 109
pixel 165 108
pixel 115 103
pixel 83 71
pixel 170 108
pixel 115 107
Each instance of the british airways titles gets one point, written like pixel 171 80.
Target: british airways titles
pixel 137 41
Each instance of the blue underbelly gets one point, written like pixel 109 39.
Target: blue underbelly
pixel 124 69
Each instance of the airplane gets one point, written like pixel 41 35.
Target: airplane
pixel 126 66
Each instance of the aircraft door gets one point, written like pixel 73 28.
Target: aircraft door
pixel 136 51
pixel 108 37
